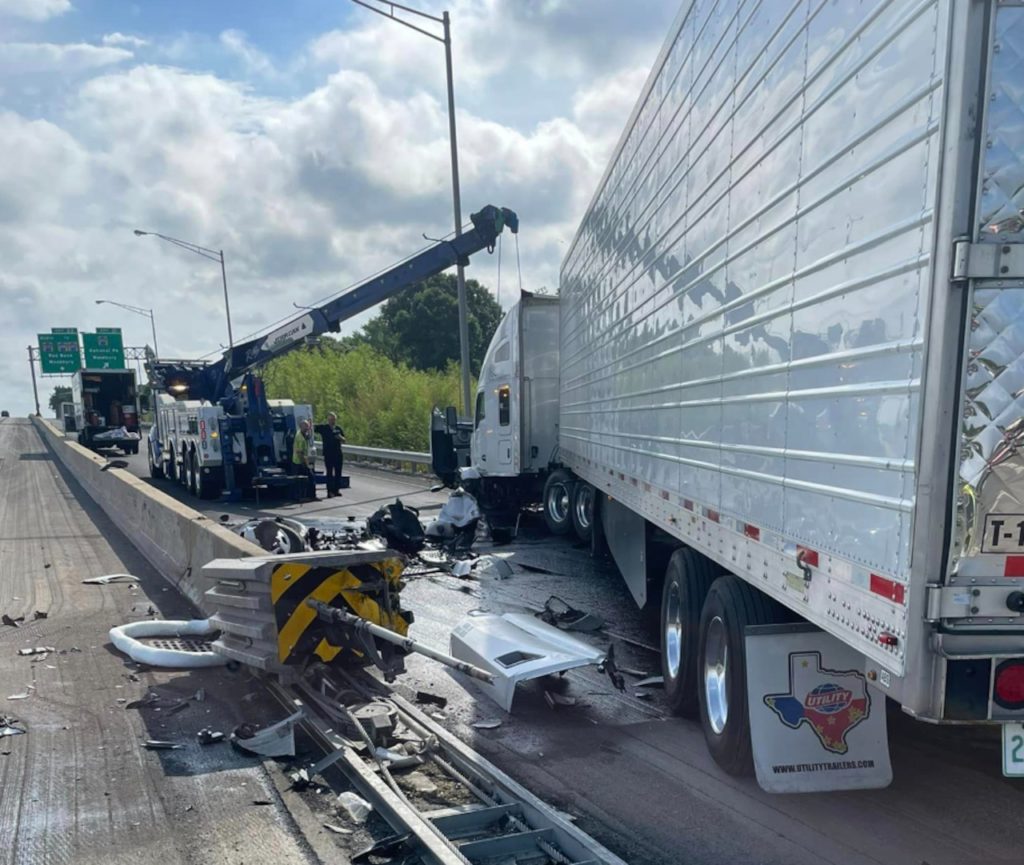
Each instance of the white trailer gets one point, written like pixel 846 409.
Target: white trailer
pixel 791 354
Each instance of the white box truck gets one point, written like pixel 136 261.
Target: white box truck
pixel 106 409
pixel 789 348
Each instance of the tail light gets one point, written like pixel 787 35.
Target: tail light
pixel 1008 687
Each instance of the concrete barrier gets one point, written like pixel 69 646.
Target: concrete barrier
pixel 176 539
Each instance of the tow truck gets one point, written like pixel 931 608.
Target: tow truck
pixel 216 432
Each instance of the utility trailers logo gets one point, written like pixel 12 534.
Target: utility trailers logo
pixel 830 702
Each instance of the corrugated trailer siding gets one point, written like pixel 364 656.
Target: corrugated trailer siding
pixel 744 303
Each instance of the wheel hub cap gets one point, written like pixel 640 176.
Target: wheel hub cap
pixel 716 659
pixel 673 631
pixel 558 503
pixel 584 506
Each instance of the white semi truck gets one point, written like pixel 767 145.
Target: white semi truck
pixel 785 373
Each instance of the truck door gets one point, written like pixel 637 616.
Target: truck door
pixel 987 543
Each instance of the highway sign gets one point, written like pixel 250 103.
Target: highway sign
pixel 104 349
pixel 59 353
pixel 116 330
pixel 64 330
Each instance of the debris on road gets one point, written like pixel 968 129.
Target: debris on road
pixel 399 527
pixel 558 613
pixel 23 695
pixel 9 727
pixel 490 724
pixel 420 783
pixel 106 579
pixel 40 614
pixel 206 736
pixel 357 808
pixel 125 638
pixel 557 701
pixel 651 682
pixel 161 745
pixel 337 830
pixel 515 647
pixel 277 740
pixel 494 566
pixel 262 802
pixel 386 848
pixel 11 623
pixel 37 650
pixel 426 698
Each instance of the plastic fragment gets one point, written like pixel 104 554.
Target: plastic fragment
pixel 8 727
pixel 357 808
pixel 337 830
pixel 37 650
pixel 491 724
pixel 160 745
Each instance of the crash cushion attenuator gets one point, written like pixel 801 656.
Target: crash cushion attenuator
pixel 300 633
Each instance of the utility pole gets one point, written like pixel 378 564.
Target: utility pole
pixel 32 369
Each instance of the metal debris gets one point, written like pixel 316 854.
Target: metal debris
pixel 115 464
pixel 558 613
pixel 262 802
pixel 426 698
pixel 160 745
pixel 277 740
pixel 12 623
pixel 491 724
pixel 8 727
pixel 40 614
pixel 37 650
pixel 206 736
pixel 386 848
pixel 556 700
pixel 110 578
pixel 337 830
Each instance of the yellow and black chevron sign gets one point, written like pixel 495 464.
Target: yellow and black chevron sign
pixel 300 634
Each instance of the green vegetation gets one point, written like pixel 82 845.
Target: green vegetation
pixel 61 394
pixel 379 403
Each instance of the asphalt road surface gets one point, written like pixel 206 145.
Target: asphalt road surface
pixel 642 781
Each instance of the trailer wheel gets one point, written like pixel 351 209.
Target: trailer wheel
pixel 731 605
pixel 155 471
pixel 583 496
pixel 558 502
pixel 688 578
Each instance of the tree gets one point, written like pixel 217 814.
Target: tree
pixel 61 394
pixel 420 326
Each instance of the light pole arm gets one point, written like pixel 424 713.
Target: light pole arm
pixel 211 254
pixel 138 310
pixel 394 17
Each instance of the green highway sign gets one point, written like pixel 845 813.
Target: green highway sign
pixel 59 353
pixel 103 349
pixel 73 330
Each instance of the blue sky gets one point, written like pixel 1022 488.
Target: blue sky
pixel 307 139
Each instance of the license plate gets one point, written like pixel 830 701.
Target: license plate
pixel 1004 533
pixel 1013 750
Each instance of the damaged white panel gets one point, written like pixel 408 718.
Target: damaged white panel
pixel 515 648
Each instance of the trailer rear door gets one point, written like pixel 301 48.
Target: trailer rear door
pixel 987 544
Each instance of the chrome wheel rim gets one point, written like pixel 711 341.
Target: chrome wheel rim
pixel 673 631
pixel 716 660
pixel 558 502
pixel 584 506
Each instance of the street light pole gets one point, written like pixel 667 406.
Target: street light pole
pixel 138 310
pixel 205 252
pixel 32 368
pixel 460 273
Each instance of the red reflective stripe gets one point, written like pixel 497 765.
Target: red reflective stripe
pixel 752 532
pixel 888 588
pixel 688 504
pixel 711 515
pixel 810 557
pixel 1014 566
pixel 664 495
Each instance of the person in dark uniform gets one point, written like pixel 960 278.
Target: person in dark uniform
pixel 333 436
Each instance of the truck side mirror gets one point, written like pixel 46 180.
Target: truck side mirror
pixel 451 418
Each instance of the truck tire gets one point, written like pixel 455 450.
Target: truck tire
pixel 155 471
pixel 688 578
pixel 207 483
pixel 730 606
pixel 192 472
pixel 558 502
pixel 183 469
pixel 583 496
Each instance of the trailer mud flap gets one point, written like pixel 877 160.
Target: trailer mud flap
pixel 815 723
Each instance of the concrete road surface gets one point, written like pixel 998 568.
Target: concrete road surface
pixel 79 787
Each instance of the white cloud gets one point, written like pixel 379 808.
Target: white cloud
pixel 30 57
pixel 305 194
pixel 125 39
pixel 253 60
pixel 34 10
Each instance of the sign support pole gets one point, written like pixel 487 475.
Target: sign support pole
pixel 32 369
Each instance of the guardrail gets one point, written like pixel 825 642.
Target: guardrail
pixel 387 455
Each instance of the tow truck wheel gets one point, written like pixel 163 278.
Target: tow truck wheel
pixel 207 486
pixel 192 472
pixel 155 471
pixel 558 502
pixel 171 472
pixel 583 511
pixel 687 580
pixel 730 606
